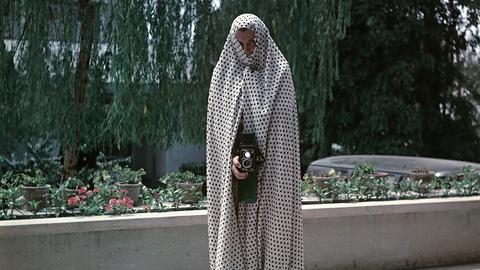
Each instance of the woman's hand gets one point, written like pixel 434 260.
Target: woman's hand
pixel 236 169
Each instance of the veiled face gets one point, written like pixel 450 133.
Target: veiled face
pixel 247 39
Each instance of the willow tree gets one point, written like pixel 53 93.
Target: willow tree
pixel 307 32
pixel 96 73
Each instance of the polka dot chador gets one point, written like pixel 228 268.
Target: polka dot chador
pixel 258 88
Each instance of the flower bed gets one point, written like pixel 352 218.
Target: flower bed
pixel 105 197
pixel 101 192
pixel 366 184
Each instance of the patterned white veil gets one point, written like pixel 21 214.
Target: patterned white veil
pixel 267 234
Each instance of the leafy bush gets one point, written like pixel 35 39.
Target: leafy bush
pixel 119 174
pixel 36 156
pixel 182 177
pixel 366 183
pixel 37 180
pixel 9 196
pixel 194 167
pixel 363 170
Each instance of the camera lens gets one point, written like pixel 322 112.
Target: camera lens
pixel 247 154
pixel 246 163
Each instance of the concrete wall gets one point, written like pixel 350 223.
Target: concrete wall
pixel 371 235
pixel 392 235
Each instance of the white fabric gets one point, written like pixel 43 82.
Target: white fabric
pixel 267 234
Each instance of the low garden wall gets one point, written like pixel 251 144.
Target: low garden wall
pixel 403 234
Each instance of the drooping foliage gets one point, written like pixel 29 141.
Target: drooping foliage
pixel 401 89
pixel 90 73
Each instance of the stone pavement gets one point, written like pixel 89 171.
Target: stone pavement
pixel 455 267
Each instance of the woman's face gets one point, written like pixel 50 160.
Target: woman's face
pixel 247 40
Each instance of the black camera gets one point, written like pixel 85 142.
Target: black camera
pixel 247 150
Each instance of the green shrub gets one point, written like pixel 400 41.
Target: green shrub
pixel 195 167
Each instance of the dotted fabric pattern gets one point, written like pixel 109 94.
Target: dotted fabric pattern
pixel 269 233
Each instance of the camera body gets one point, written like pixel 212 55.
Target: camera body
pixel 247 150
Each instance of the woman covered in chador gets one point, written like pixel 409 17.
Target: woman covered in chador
pixel 252 92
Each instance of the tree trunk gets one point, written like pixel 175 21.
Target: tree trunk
pixel 87 15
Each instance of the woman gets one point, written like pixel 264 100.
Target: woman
pixel 252 89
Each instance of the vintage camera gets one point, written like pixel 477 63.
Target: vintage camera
pixel 247 150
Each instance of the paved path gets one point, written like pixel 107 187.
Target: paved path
pixel 456 267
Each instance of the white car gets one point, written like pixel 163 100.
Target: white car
pixel 396 166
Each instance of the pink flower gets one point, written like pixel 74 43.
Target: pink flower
pixel 128 201
pixel 73 201
pixel 82 190
pixel 113 203
pixel 124 191
pixel 96 190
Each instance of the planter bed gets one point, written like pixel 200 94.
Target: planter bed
pixel 50 212
pixel 306 200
